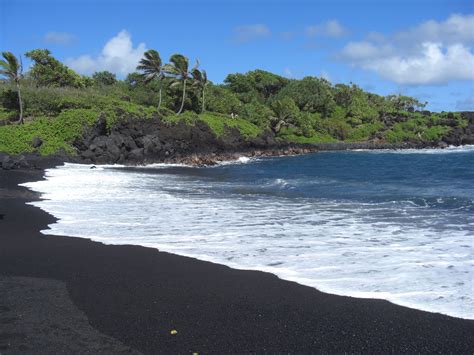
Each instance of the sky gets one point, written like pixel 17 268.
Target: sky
pixel 421 48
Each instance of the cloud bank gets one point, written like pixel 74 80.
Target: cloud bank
pixel 331 28
pixel 431 53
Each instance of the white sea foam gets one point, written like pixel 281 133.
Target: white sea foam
pixel 447 150
pixel 347 248
pixel 240 160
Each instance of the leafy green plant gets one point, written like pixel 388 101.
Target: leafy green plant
pixel 48 71
pixel 57 133
pixel 13 71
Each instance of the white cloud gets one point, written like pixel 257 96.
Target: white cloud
pixel 455 29
pixel 288 72
pixel 62 38
pixel 331 28
pixel 250 32
pixel 431 53
pixel 375 37
pixel 118 56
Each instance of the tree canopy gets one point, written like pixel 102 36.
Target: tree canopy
pixel 48 71
pixel 310 109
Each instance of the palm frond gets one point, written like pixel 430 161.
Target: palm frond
pixel 196 74
pixel 3 64
pixel 11 67
pixel 196 66
pixel 175 84
pixel 151 63
pixel 181 64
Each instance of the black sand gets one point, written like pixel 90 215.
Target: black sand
pixel 138 295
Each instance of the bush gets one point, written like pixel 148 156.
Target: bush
pixel 290 135
pixel 435 133
pixel 337 128
pixel 57 133
pixel 222 100
pixel 257 113
pixel 218 123
pixel 364 131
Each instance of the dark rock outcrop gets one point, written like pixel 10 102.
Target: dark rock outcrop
pixel 36 142
pixel 460 135
pixel 147 141
pixel 13 162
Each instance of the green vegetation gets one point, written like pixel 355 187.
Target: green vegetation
pixel 151 66
pixel 12 70
pixel 179 69
pixel 57 133
pixel 56 104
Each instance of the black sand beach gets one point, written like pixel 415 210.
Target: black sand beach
pixel 133 297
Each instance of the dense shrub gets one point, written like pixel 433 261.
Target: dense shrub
pixel 58 103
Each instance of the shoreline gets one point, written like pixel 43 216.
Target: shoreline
pixel 136 295
pixel 283 276
pixel 202 159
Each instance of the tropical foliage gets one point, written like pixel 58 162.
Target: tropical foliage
pixel 56 103
pixel 12 70
pixel 151 66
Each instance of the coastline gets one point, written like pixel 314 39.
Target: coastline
pixel 201 159
pixel 137 295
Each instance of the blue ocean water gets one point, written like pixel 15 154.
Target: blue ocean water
pixel 396 225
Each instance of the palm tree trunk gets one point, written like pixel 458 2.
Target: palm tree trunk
pixel 20 121
pixel 159 100
pixel 184 96
pixel 203 105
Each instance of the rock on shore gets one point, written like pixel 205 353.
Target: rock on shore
pixel 140 141
pixel 150 141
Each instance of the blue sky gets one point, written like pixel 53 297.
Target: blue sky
pixel 420 48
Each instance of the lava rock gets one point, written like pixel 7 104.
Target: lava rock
pixel 37 142
pixel 136 155
pixel 8 163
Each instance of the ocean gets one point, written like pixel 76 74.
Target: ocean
pixel 394 225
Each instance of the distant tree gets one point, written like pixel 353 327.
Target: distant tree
pixel 285 111
pixel 151 67
pixel 12 70
pixel 200 82
pixel 257 113
pixel 343 95
pixel 243 86
pixel 133 80
pixel 87 81
pixel 257 84
pixel 48 71
pixel 359 105
pixel 266 83
pixel 179 69
pixel 405 103
pixel 310 94
pixel 221 99
pixel 104 78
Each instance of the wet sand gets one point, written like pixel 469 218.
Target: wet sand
pixel 133 297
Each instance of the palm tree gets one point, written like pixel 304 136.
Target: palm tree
pixel 12 69
pixel 151 66
pixel 285 112
pixel 179 68
pixel 200 81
